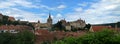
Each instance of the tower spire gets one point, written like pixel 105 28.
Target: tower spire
pixel 49 15
pixel 49 20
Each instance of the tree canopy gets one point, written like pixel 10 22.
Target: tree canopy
pixel 25 37
pixel 101 37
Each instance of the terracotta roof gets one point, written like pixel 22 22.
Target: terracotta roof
pixel 41 32
pixel 11 18
pixel 11 27
pixel 98 28
pixel 45 35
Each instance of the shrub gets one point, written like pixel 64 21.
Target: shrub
pixel 105 36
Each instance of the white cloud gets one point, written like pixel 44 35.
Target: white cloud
pixel 6 4
pixel 78 9
pixel 104 11
pixel 61 7
pixel 56 8
pixel 9 8
pixel 24 15
pixel 83 4
pixel 57 18
pixel 59 15
pixel 23 3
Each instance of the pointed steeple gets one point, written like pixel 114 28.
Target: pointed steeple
pixel 49 20
pixel 49 16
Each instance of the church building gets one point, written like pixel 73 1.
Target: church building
pixel 47 25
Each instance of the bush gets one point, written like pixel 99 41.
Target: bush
pixel 25 37
pixel 105 36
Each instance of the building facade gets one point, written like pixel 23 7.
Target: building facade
pixel 47 25
pixel 73 24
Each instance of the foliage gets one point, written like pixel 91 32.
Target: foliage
pixel 58 26
pixel 102 37
pixel 30 24
pixel 24 37
pixel 5 20
pixel 87 26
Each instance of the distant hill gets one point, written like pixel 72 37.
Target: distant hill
pixel 109 24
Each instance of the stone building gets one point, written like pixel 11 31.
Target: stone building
pixel 1 16
pixel 74 24
pixel 47 25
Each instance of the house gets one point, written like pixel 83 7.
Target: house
pixel 13 29
pixel 11 18
pixel 68 27
pixel 99 28
pixel 73 24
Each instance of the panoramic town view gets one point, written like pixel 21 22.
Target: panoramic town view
pixel 59 21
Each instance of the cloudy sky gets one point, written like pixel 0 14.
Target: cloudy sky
pixel 92 11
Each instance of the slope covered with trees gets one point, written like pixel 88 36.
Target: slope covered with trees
pixel 101 37
pixel 25 37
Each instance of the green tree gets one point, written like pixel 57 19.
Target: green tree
pixel 5 20
pixel 87 26
pixel 58 26
pixel 105 36
pixel 24 37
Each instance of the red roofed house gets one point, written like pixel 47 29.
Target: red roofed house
pixel 98 28
pixel 13 29
pixel 11 18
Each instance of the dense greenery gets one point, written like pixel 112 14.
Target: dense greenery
pixel 25 37
pixel 102 37
pixel 4 20
pixel 58 26
pixel 87 26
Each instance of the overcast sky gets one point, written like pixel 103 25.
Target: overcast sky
pixel 92 11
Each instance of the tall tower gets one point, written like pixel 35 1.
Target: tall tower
pixel 49 20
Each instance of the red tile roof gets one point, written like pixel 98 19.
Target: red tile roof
pixel 41 32
pixel 98 28
pixel 45 35
pixel 17 27
pixel 11 18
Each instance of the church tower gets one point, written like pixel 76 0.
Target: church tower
pixel 49 20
